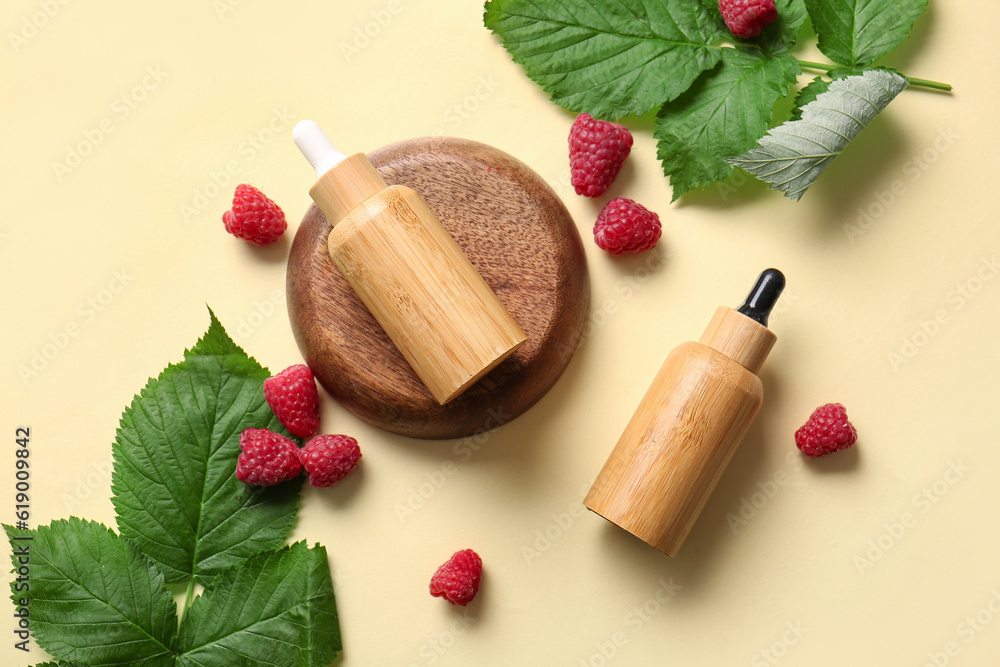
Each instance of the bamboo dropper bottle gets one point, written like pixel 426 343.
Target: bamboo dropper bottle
pixel 408 271
pixel 689 424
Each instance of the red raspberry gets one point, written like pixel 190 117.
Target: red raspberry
pixel 746 18
pixel 267 458
pixel 826 431
pixel 254 217
pixel 597 150
pixel 624 227
pixel 329 458
pixel 457 581
pixel 293 397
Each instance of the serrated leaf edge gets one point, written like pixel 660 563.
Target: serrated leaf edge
pixel 760 156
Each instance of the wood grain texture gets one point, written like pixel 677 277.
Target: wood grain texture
pixel 423 291
pixel 738 337
pixel 523 242
pixel 356 180
pixel 677 445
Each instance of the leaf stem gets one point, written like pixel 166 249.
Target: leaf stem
pixel 923 83
pixel 188 598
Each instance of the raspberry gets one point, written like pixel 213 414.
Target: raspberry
pixel 597 150
pixel 267 458
pixel 746 18
pixel 329 458
pixel 624 227
pixel 457 581
pixel 254 217
pixel 826 431
pixel 293 397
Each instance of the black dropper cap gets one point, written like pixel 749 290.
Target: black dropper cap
pixel 761 299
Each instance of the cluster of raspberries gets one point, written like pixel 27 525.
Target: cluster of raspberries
pixel 598 149
pixel 268 458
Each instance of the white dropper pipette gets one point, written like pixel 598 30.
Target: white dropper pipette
pixel 316 146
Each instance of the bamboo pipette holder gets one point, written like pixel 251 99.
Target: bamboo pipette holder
pixel 686 429
pixel 414 278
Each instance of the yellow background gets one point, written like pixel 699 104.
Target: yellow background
pixel 106 275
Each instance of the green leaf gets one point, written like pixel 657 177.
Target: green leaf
pixel 94 597
pixel 776 38
pixel 779 37
pixel 174 482
pixel 610 59
pixel 791 156
pixel 859 32
pixel 808 94
pixel 722 115
pixel 819 85
pixel 276 609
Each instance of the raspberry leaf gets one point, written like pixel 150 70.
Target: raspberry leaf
pixel 610 59
pixel 723 114
pixel 293 620
pixel 94 597
pixel 793 155
pixel 175 490
pixel 779 37
pixel 859 32
pixel 819 85
pixel 808 94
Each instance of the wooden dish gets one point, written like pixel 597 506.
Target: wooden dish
pixel 521 239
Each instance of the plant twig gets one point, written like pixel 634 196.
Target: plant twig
pixel 914 81
pixel 188 598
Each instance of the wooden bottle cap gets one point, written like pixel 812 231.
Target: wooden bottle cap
pixel 344 187
pixel 522 241
pixel 738 337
